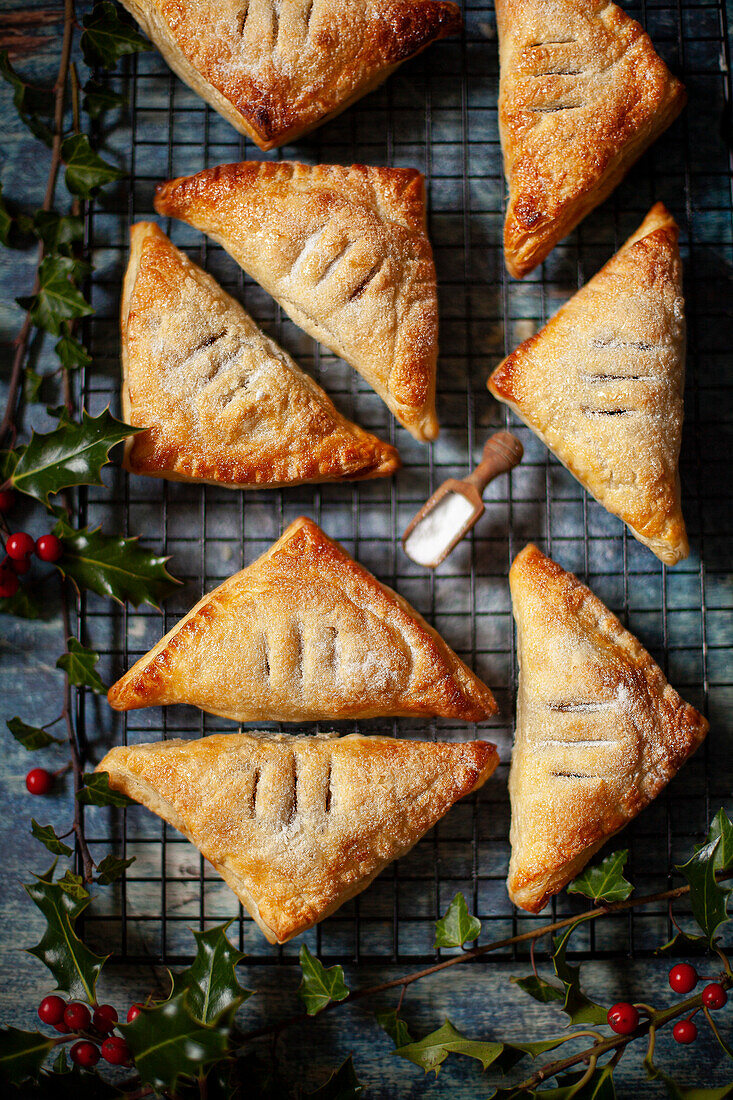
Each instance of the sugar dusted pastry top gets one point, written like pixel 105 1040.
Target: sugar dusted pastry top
pixel 345 252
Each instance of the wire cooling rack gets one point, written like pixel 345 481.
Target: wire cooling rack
pixel 437 113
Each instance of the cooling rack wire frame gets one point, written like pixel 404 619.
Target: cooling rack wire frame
pixel 438 114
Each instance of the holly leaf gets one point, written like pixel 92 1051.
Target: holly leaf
pixel 22 1053
pixel 58 299
pixel 211 980
pixel 395 1027
pixel 31 737
pixel 721 829
pixel 708 900
pixel 24 604
pixel 74 967
pixel 108 35
pixel 47 836
pixel 677 1092
pixel 343 1084
pixel 96 791
pixel 604 881
pixel 579 1008
pixel 682 943
pixel 72 354
pixel 320 986
pixel 432 1051
pixel 539 989
pixel 111 868
pixel 113 566
pixel 168 1043
pixel 457 926
pixel 598 1087
pixel 98 99
pixel 59 232
pixel 72 454
pixel 29 102
pixel 514 1052
pixel 78 663
pixel 86 172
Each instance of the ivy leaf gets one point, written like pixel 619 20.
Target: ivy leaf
pixel 72 354
pixel 211 980
pixel 98 99
pixel 86 172
pixel 6 221
pixel 579 1008
pixel 432 1051
pixel 59 232
pixel 58 299
pixel 458 926
pixel 72 964
pixel 31 737
pixel 73 885
pixel 29 102
pixel 395 1027
pixel 707 899
pixel 107 36
pixel 320 986
pixel 47 836
pixel 72 454
pixel 604 881
pixel 32 382
pixel 14 232
pixel 97 792
pixel 78 663
pixel 721 828
pixel 343 1084
pixel 111 868
pixel 22 1053
pixel 113 566
pixel 168 1043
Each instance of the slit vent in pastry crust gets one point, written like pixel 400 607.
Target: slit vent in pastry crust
pixel 305 633
pixel 602 385
pixel 345 252
pixel 276 69
pixel 221 402
pixel 599 732
pixel 582 94
pixel 298 825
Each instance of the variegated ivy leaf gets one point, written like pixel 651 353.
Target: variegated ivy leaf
pixel 458 926
pixel 78 663
pixel 86 172
pixel 47 836
pixel 108 35
pixel 604 881
pixel 430 1053
pixel 320 986
pixel 58 298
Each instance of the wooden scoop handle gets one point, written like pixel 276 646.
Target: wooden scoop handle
pixel 502 452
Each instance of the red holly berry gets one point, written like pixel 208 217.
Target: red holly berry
pixel 116 1051
pixel 62 1028
pixel 85 1054
pixel 39 781
pixel 133 1012
pixel 19 545
pixel 684 1031
pixel 105 1018
pixel 714 996
pixel 7 500
pixel 8 583
pixel 683 978
pixel 77 1016
pixel 21 566
pixel 49 548
pixel 623 1018
pixel 51 1009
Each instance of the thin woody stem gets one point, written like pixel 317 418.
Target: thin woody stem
pixel 76 766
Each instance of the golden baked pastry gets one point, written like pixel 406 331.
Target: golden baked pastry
pixel 305 633
pixel 221 402
pixel 276 69
pixel 582 94
pixel 298 825
pixel 602 385
pixel 346 254
pixel 599 730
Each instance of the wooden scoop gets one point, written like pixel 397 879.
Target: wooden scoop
pixel 454 508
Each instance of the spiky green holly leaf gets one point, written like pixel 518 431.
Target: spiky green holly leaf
pixel 58 298
pixel 74 967
pixel 678 1092
pixel 59 232
pixel 211 980
pixel 343 1084
pixel 78 663
pixel 168 1043
pixel 579 1008
pixel 86 172
pixel 540 989
pixel 604 881
pixel 395 1027
pixel 682 943
pixel 31 737
pixel 430 1053
pixel 30 102
pixel 47 836
pixel 24 604
pixel 108 35
pixel 98 99
pixel 721 828
pixel 72 354
pixel 457 926
pixel 599 1086
pixel 22 1054
pixel 708 900
pixel 113 566
pixel 320 986
pixel 96 791
pixel 513 1053
pixel 111 868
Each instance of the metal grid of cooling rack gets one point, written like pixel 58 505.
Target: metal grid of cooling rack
pixel 437 113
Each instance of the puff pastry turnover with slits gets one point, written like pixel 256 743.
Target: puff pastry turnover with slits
pixel 602 385
pixel 582 94
pixel 599 730
pixel 277 68
pixel 346 254
pixel 305 633
pixel 219 400
pixel 298 825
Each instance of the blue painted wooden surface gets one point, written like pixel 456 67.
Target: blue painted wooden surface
pixel 478 999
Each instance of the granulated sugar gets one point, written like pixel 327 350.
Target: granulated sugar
pixel 438 528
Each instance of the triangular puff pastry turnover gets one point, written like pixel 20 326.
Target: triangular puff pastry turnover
pixel 219 400
pixel 599 730
pixel 298 825
pixel 302 634
pixel 278 68
pixel 602 385
pixel 582 94
pixel 346 254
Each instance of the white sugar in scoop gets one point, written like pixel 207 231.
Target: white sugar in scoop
pixel 453 509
